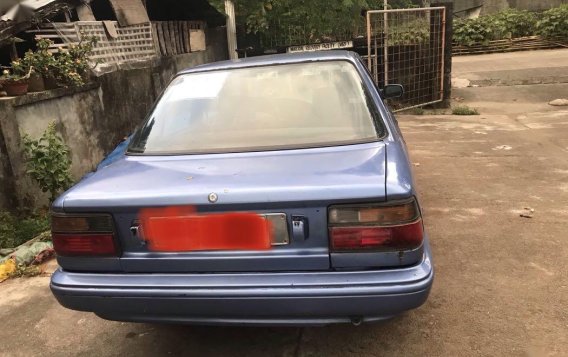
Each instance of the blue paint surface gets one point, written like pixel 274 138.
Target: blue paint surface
pixel 286 285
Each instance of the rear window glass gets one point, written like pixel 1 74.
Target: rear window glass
pixel 261 108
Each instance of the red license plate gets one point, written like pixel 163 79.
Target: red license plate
pixel 178 229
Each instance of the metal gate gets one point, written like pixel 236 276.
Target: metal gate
pixel 406 46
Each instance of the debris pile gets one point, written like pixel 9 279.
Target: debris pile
pixel 33 252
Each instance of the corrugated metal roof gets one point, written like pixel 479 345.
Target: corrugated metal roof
pixel 17 18
pixel 36 4
pixel 5 5
pixel 23 9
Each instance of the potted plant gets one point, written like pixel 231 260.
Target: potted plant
pixel 44 64
pixel 72 67
pixel 65 68
pixel 15 81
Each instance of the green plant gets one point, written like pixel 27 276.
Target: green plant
pixel 554 23
pixel 468 32
pixel 72 65
pixel 510 23
pixel 9 76
pixel 300 22
pixel 19 70
pixel 41 59
pixel 15 231
pixel 7 230
pixel 515 23
pixel 24 271
pixel 417 111
pixel 412 32
pixel 29 227
pixel 464 110
pixel 49 162
pixel 66 67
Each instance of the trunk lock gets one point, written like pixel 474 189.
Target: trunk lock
pixel 300 229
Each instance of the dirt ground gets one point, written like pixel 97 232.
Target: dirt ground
pixel 501 287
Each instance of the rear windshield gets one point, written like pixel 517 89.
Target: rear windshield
pixel 261 108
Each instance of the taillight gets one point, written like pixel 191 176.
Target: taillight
pixel 375 227
pixel 83 235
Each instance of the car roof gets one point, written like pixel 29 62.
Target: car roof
pixel 285 58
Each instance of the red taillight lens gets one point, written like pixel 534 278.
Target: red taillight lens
pixel 83 235
pixel 98 244
pixel 404 237
pixel 391 227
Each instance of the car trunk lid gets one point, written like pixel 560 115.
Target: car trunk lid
pixel 293 186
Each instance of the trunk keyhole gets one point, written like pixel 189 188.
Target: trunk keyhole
pixel 300 227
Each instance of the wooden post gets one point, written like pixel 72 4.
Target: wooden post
pixel 386 41
pixel 180 36
pixel 448 29
pixel 166 29
pixel 155 38
pixel 171 27
pixel 13 52
pixel 85 13
pixel 185 30
pixel 231 29
pixel 161 38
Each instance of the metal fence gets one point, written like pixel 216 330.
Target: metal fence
pixel 406 47
pixel 304 34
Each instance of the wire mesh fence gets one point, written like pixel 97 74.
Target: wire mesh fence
pixel 295 34
pixel 406 47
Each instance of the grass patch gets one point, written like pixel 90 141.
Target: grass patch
pixel 464 110
pixel 417 111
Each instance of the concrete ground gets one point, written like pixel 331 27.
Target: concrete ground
pixel 502 280
pixel 515 68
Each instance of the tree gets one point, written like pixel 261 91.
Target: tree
pixel 314 20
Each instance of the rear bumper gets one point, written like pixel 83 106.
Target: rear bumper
pixel 313 298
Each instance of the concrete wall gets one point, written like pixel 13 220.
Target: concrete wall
pixel 492 6
pixel 92 119
pixel 80 121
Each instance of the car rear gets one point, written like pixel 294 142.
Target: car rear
pixel 339 247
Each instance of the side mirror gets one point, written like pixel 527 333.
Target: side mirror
pixel 392 91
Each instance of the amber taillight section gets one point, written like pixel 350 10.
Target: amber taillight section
pixel 375 227
pixel 83 235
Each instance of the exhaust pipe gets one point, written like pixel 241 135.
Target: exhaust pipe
pixel 356 321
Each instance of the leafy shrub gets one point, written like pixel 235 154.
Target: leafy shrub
pixel 14 231
pixel 19 71
pixel 73 65
pixel 509 23
pixel 48 162
pixel 66 68
pixel 30 227
pixel 42 61
pixel 554 23
pixel 7 230
pixel 24 271
pixel 413 32
pixel 417 111
pixel 471 31
pixel 300 22
pixel 515 23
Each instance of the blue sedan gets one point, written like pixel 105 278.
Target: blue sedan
pixel 273 190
